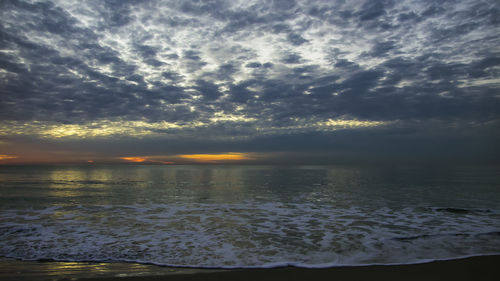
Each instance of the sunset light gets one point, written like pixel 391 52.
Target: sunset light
pixel 134 159
pixel 5 156
pixel 210 158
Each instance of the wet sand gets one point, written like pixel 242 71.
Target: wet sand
pixel 473 268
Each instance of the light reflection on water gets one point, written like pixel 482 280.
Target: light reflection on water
pixel 54 270
pixel 114 184
pixel 142 183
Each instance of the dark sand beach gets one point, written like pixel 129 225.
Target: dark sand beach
pixel 472 268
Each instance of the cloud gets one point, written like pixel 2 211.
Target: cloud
pixel 380 49
pixel 248 71
pixel 296 39
pixel 254 65
pixel 208 90
pixel 371 10
pixel 291 59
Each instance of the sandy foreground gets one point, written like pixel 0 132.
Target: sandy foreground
pixel 473 268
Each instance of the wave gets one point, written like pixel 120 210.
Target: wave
pixel 461 210
pixel 264 266
pixel 430 236
pixel 246 235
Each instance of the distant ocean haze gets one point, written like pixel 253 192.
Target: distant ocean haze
pixel 248 216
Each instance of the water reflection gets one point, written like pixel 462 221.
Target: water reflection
pixel 51 270
pixel 167 184
pixel 63 183
pixel 142 184
pixel 73 184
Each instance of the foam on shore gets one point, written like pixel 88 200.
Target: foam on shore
pixel 248 235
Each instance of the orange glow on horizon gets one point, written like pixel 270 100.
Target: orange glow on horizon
pixel 208 158
pixel 5 156
pixel 134 159
pixel 138 159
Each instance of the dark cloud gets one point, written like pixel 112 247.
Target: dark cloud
pixel 296 39
pixel 172 76
pixel 284 4
pixel 192 55
pixel 373 9
pixel 146 51
pixel 410 16
pixel 343 63
pixel 153 62
pixel 291 59
pixel 213 7
pixel 208 90
pixel 192 60
pixel 253 65
pixel 172 56
pixel 380 49
pixel 433 10
pixel 226 71
pixel 485 68
pixel 277 69
pixel 117 13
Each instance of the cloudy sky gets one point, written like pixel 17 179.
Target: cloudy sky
pixel 316 82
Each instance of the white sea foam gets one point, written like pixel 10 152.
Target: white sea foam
pixel 249 234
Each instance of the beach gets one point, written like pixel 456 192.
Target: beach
pixel 471 268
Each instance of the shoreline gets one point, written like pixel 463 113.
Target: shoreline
pixel 468 268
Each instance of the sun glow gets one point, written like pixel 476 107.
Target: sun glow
pixel 148 160
pixel 134 159
pixel 211 158
pixel 5 156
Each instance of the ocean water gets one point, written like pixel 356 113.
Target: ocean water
pixel 248 216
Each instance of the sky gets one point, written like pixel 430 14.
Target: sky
pixel 270 82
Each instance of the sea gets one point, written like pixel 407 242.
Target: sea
pixel 232 216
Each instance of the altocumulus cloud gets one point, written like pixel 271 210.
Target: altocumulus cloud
pixel 322 80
